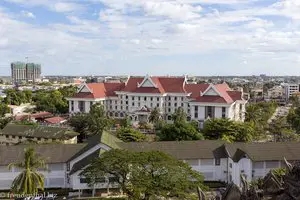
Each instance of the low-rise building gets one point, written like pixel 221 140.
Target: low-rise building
pixel 16 133
pixel 216 160
pixel 200 101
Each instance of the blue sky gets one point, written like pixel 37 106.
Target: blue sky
pixel 159 37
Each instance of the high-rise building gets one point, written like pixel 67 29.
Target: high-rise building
pixel 25 72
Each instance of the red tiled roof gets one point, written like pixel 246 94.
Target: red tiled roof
pixel 100 90
pixel 235 95
pixel 22 117
pixel 41 115
pixel 195 89
pixel 55 120
pixel 162 85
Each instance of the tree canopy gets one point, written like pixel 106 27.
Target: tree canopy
pixel 98 120
pixel 145 175
pixel 180 129
pixel 228 130
pixel 128 134
pixel 293 118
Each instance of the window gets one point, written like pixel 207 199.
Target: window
pixel 175 104
pixel 182 98
pixel 116 107
pixel 169 109
pixel 132 103
pixel 126 97
pixel 72 105
pixel 121 107
pixel 169 98
pixel 81 106
pixel 20 137
pixel 223 112
pixel 151 98
pixel 139 104
pixel 116 102
pixel 91 104
pixel 196 108
pixel 196 115
pixel 13 137
pixel 209 111
pixel 132 98
pixel 126 102
pixel 169 104
pixel 157 98
pixel 145 98
pixel 157 105
pixel 230 165
pixel 175 98
pixel 181 104
pixel 169 117
pixel 151 104
pixel 139 98
pixel 217 161
pixel 110 107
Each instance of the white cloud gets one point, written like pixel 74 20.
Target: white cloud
pixel 66 7
pixel 27 14
pixel 172 10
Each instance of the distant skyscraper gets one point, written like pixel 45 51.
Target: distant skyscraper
pixel 25 72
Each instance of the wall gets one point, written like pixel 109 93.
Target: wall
pixel 55 178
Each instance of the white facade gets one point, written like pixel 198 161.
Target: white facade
pixel 125 103
pixel 54 178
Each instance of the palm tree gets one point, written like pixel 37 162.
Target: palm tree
pixel 29 181
pixel 154 115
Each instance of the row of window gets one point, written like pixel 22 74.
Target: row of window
pixel 209 112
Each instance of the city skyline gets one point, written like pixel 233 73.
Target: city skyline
pixel 199 37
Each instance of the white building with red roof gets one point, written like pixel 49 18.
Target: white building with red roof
pixel 200 101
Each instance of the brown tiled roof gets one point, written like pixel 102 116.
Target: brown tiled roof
pixel 38 131
pixel 52 153
pixel 211 149
pixel 179 149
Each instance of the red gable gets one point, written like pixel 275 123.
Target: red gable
pixel 162 85
pixel 99 90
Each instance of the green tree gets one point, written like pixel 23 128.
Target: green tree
pixel 228 130
pixel 79 122
pixel 51 101
pixel 146 175
pixel 179 131
pixel 98 121
pixel 293 119
pixel 294 100
pixel 128 134
pixel 179 115
pixel 29 181
pixel 154 115
pixel 4 121
pixel 3 109
pixel 125 122
pixel 279 128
